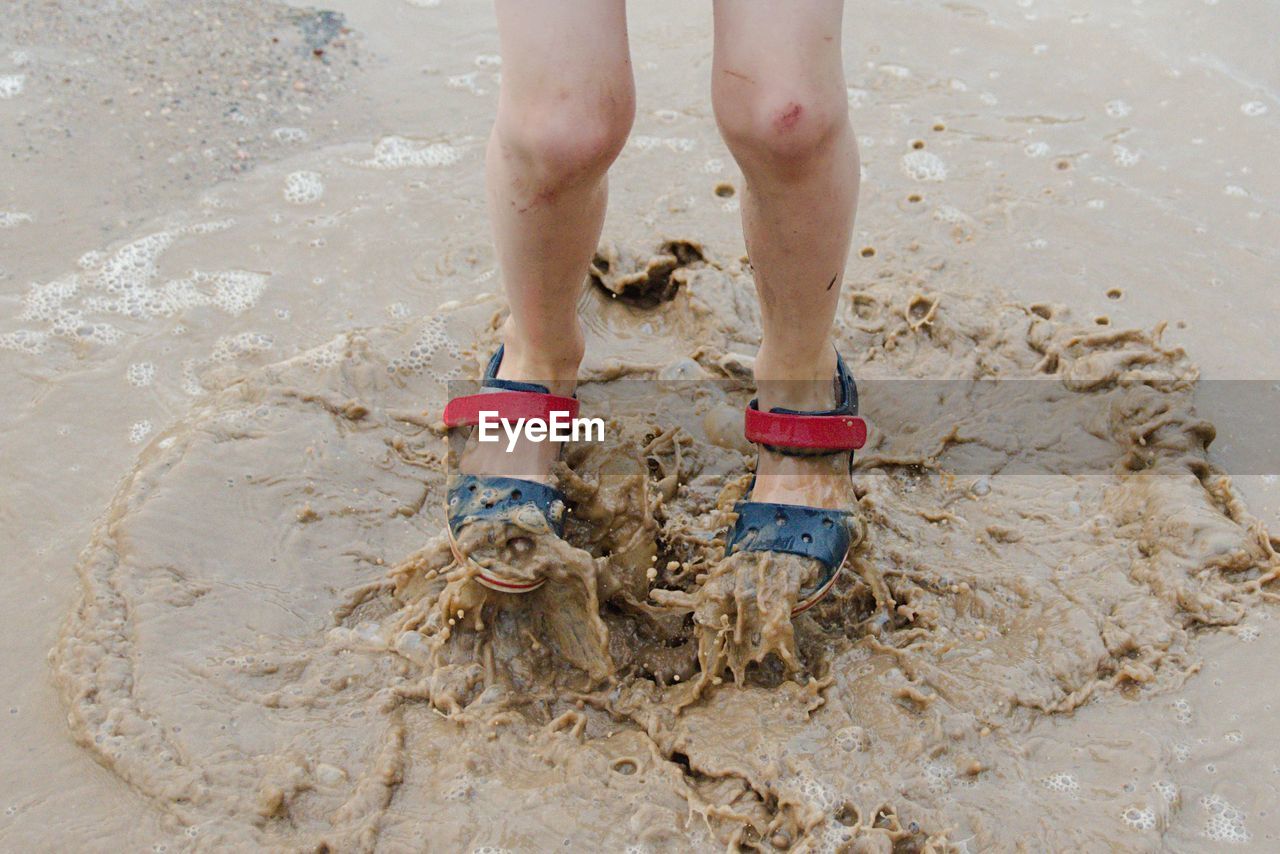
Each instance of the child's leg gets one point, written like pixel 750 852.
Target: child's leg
pixel 565 108
pixel 564 112
pixel 779 94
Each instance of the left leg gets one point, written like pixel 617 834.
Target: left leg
pixel 779 95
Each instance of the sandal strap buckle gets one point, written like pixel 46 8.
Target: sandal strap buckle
pixel 816 432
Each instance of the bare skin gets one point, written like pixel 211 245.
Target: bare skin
pixel 564 113
pixel 779 95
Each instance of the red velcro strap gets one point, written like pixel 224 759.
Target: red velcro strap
pixel 509 406
pixel 825 432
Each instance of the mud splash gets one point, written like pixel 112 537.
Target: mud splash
pixel 266 649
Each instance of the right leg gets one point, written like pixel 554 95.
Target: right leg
pixel 564 112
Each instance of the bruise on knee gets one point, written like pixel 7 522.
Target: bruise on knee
pixel 789 117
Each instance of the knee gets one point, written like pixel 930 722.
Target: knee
pixel 561 142
pixel 777 128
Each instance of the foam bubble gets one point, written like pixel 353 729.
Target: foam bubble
pixel 1182 711
pixel 1167 789
pixel 139 431
pixel 423 4
pixel 461 788
pixel 949 214
pixel 141 374
pixel 1036 149
pixel 124 283
pixel 325 356
pixel 1118 109
pixel 1062 782
pixel 1223 822
pixel 433 339
pixel 816 792
pixel 939 775
pixel 467 81
pixel 10 219
pixel 714 166
pixel 24 341
pixel 1124 156
pixel 288 134
pixel 1253 108
pixel 11 85
pixel 1235 190
pixel 924 166
pixel 303 188
pixel 396 152
pixel 671 143
pixel 488 61
pixel 1139 818
pixel 225 349
pixel 229 347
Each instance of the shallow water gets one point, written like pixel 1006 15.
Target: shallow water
pixel 219 531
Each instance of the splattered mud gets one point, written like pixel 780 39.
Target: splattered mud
pixel 369 686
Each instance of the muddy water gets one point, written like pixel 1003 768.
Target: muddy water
pixel 221 460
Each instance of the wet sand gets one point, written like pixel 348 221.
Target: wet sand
pixel 221 472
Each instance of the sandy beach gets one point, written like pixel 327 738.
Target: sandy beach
pixel 244 253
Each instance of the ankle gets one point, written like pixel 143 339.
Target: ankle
pixel 803 382
pixel 554 365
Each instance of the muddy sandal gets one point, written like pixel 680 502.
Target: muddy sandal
pixel 824 535
pixel 526 505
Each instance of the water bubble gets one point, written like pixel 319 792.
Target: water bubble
pixel 303 188
pixel 1143 818
pixel 1182 711
pixel 1223 822
pixel 288 134
pixel 1124 156
pixel 397 152
pixel 924 166
pixel 1063 782
pixel 677 144
pixel 140 374
pixel 139 431
pixel 1118 109
pixel 11 85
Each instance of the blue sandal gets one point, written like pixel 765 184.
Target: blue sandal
pixel 827 536
pixel 528 505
